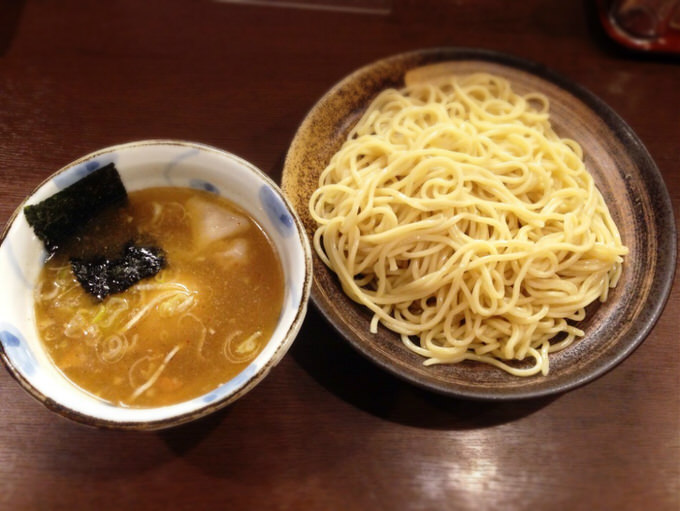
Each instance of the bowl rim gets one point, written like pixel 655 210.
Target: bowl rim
pixel 253 379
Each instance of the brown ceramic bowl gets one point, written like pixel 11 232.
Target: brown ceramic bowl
pixel 625 174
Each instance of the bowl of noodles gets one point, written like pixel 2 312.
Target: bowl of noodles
pixel 148 284
pixel 482 227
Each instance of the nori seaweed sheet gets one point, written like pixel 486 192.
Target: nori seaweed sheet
pixel 61 215
pixel 102 276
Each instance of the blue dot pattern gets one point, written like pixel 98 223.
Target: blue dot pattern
pixel 16 349
pixel 200 184
pixel 277 212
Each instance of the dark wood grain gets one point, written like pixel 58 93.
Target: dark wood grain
pixel 327 429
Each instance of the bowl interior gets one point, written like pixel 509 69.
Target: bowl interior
pixel 622 168
pixel 142 165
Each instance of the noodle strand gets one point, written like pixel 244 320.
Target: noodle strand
pixel 457 215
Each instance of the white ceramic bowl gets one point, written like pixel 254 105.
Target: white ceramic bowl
pixel 141 165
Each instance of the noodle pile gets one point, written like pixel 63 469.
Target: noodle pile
pixel 465 224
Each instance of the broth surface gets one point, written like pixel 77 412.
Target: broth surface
pixel 179 334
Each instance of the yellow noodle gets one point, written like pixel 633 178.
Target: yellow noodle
pixel 464 223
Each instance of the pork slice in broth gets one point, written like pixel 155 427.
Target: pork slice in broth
pixel 210 222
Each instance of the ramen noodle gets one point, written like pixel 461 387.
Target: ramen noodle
pixel 465 224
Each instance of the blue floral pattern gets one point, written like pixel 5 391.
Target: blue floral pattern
pixel 175 162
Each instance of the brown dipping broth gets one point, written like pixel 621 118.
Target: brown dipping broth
pixel 180 334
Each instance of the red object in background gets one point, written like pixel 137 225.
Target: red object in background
pixel 647 25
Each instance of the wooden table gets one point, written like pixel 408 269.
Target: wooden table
pixel 327 429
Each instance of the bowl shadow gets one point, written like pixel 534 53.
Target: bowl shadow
pixel 343 371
